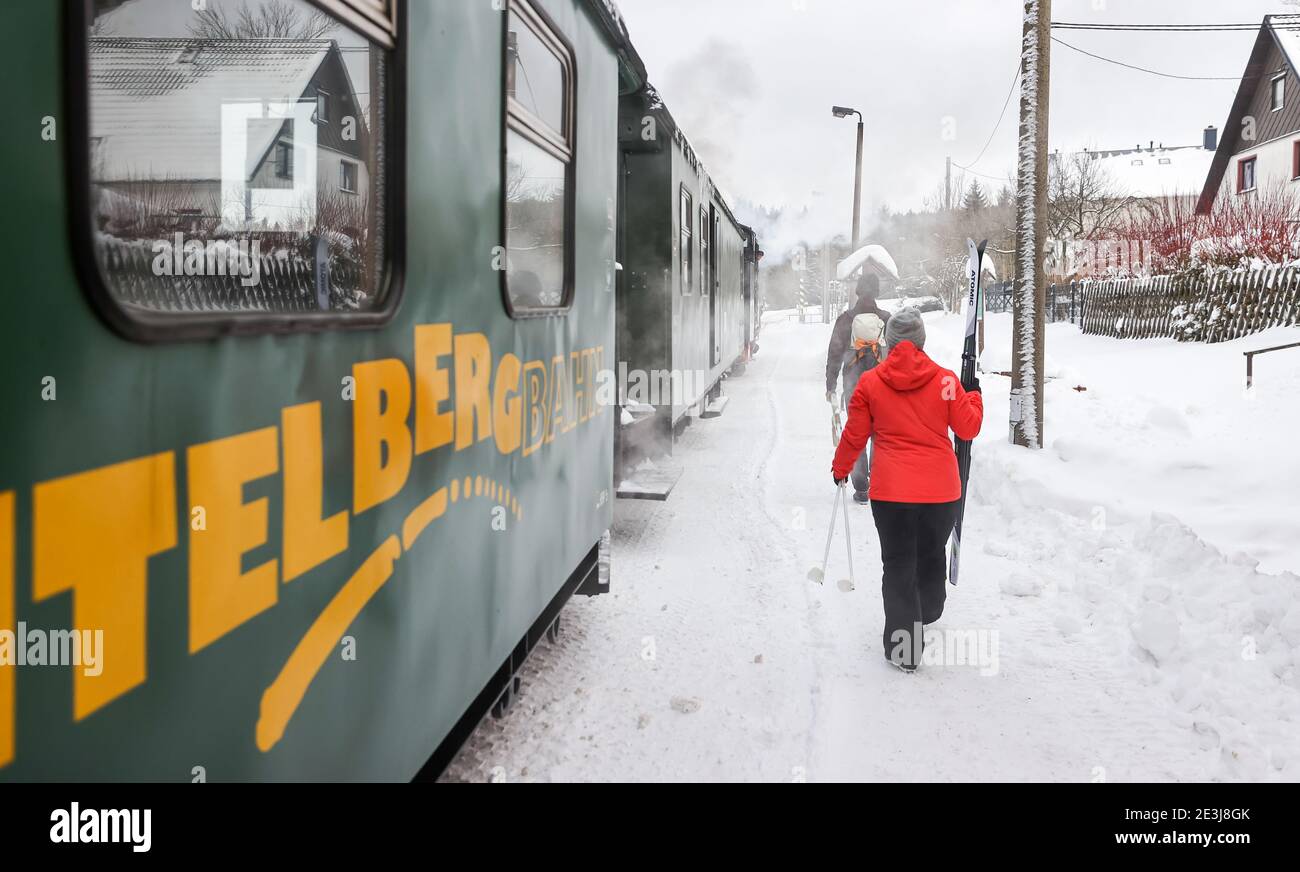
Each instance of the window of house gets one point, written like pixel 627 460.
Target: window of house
pixel 284 160
pixel 250 179
pixel 322 106
pixel 348 176
pixel 705 263
pixel 539 165
pixel 1295 159
pixel 1246 175
pixel 1279 92
pixel 1137 163
pixel 1164 161
pixel 687 244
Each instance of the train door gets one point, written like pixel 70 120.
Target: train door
pixel 751 295
pixel 715 340
pixel 620 303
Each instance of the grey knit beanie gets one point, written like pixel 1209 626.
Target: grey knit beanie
pixel 905 325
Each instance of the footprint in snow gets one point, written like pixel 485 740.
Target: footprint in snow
pixel 685 704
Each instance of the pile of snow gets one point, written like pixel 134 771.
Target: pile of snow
pixel 926 303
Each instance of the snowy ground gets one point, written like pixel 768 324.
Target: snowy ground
pixel 1132 587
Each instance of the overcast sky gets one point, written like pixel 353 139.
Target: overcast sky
pixel 752 83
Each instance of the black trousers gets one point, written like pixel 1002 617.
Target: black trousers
pixel 912 540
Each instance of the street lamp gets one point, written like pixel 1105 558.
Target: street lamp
pixel 845 112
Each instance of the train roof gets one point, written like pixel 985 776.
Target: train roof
pixel 631 68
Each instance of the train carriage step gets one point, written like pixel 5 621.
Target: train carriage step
pixel 649 482
pixel 715 407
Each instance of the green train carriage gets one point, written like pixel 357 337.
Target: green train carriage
pixel 303 328
pixel 688 299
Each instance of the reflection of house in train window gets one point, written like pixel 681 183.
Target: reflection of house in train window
pixel 252 133
pixel 284 159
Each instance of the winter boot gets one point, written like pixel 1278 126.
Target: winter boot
pixel 900 666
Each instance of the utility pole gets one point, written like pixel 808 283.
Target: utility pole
pixel 1029 298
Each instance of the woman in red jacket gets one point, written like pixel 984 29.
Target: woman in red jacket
pixel 908 403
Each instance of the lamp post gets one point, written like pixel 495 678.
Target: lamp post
pixel 845 112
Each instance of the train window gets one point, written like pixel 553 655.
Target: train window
pixel 238 164
pixel 704 251
pixel 538 183
pixel 688 244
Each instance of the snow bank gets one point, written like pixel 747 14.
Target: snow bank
pixel 1146 524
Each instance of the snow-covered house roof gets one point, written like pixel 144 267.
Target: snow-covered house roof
pixel 1158 172
pixel 1286 30
pixel 1282 32
pixel 156 102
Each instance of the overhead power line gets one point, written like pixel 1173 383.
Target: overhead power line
pixel 982 175
pixel 1293 24
pixel 1001 115
pixel 1136 28
pixel 1145 69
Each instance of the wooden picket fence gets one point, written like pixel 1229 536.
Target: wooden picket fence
pixel 1194 307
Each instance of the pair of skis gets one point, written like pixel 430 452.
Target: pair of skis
pixel 969 357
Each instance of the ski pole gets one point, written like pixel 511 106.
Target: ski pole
pixel 848 540
pixel 814 574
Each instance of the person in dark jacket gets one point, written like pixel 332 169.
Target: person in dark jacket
pixel 842 333
pixel 907 405
pixel 842 360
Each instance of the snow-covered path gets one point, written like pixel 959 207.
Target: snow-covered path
pixel 1119 644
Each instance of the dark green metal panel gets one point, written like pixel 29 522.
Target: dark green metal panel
pixel 460 599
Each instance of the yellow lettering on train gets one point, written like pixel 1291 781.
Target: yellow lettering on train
pixel 538 412
pixel 473 400
pixel 559 398
pixel 593 373
pixel 507 405
pixel 309 539
pixel 433 428
pixel 379 428
pixel 93 534
pixel 7 607
pixel 222 595
pixel 578 364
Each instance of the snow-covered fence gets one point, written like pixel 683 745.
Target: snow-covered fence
pixel 1192 307
pixel 281 281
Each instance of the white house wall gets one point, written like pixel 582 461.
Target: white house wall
pixel 1273 168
